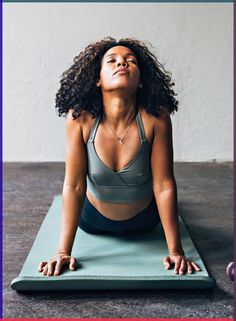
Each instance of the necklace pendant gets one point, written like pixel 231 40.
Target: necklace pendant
pixel 120 141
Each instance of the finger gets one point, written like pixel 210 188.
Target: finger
pixel 72 263
pixel 167 262
pixel 196 267
pixel 66 258
pixel 58 267
pixel 190 270
pixel 51 265
pixel 41 266
pixel 177 265
pixel 182 266
pixel 45 269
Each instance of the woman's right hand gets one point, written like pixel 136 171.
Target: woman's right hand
pixel 54 265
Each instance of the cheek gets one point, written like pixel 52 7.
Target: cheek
pixel 137 75
pixel 105 75
pixel 138 72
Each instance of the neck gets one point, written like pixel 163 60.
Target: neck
pixel 119 110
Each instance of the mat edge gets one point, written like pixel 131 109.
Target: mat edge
pixel 209 282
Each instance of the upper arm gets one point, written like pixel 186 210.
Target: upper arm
pixel 162 154
pixel 76 155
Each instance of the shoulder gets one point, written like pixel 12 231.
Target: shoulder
pixel 157 124
pixel 84 120
pixel 83 123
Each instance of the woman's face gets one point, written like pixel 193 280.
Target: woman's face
pixel 119 70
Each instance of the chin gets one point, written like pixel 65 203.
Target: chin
pixel 124 86
pixel 124 89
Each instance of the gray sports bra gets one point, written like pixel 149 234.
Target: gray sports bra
pixel 131 183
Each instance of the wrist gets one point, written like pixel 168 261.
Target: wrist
pixel 63 252
pixel 177 252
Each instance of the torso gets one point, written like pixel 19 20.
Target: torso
pixel 116 157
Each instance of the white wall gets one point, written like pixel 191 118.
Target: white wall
pixel 194 40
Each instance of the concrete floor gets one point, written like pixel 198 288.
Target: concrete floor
pixel 205 201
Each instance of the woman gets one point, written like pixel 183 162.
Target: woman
pixel 119 167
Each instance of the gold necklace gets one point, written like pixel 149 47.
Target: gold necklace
pixel 120 140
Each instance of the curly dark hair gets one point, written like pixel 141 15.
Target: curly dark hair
pixel 79 92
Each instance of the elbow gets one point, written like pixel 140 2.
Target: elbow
pixel 79 189
pixel 166 185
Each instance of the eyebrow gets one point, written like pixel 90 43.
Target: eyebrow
pixel 127 54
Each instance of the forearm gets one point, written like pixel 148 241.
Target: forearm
pixel 168 211
pixel 72 203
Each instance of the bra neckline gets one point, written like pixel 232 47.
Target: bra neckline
pixel 135 157
pixel 127 166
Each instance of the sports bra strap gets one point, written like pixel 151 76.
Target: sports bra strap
pixel 94 129
pixel 141 127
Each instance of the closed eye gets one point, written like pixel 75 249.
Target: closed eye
pixel 113 60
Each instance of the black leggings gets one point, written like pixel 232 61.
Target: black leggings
pixel 92 221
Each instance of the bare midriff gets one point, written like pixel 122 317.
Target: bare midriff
pixel 121 211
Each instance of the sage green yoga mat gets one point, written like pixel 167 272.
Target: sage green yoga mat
pixel 108 262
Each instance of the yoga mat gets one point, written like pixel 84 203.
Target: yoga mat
pixel 108 262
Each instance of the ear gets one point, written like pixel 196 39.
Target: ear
pixel 98 83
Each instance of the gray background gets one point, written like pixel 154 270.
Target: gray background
pixel 193 40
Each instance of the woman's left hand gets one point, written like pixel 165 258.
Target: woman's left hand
pixel 181 264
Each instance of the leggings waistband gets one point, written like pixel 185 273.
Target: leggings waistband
pixel 93 221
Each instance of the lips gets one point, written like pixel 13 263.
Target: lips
pixel 122 71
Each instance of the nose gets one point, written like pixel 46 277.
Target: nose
pixel 122 62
